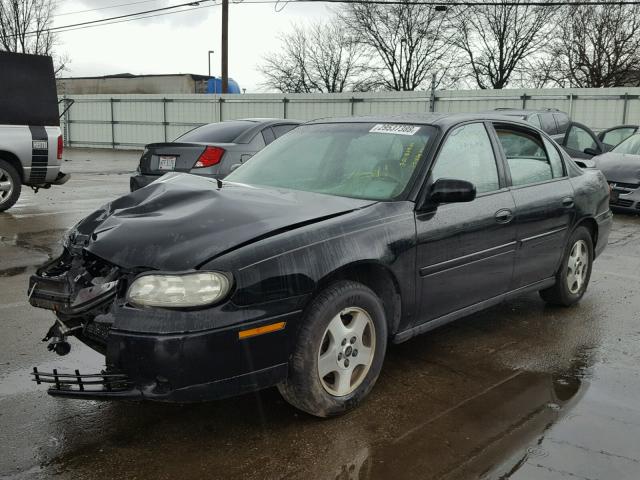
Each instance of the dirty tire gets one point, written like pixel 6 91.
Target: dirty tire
pixel 304 389
pixel 561 293
pixel 9 178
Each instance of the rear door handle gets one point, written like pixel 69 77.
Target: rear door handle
pixel 568 202
pixel 504 215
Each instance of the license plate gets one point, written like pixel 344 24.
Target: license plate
pixel 614 196
pixel 167 163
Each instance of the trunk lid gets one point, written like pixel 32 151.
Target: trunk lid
pixel 181 155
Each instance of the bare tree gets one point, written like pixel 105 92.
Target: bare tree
pixel 409 41
pixel 599 46
pixel 320 58
pixel 24 28
pixel 497 38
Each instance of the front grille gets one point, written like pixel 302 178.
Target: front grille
pixel 622 202
pixel 97 331
pixel 628 186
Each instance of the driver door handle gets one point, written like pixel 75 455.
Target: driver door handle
pixel 504 215
pixel 567 202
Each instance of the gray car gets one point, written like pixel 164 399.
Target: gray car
pixel 621 167
pixel 212 150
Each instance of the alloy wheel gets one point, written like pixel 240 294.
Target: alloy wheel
pixel 6 186
pixel 346 351
pixel 577 266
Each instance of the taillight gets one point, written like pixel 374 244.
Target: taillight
pixel 60 147
pixel 211 156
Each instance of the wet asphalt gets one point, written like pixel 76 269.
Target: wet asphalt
pixel 521 391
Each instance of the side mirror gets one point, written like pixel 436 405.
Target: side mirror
pixel 448 190
pixel 592 151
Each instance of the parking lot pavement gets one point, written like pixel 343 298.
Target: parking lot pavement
pixel 521 391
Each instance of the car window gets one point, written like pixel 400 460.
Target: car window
pixel 557 165
pixel 631 145
pixel 579 139
pixel 562 121
pixel 267 135
pixel 223 132
pixel 526 157
pixel 534 120
pixel 256 143
pixel 467 155
pixel 614 137
pixel 548 123
pixel 280 130
pixel 358 160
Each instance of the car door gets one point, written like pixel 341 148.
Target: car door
pixel 544 200
pixel 613 136
pixel 465 251
pixel 580 142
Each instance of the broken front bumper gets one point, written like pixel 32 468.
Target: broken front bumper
pixel 164 355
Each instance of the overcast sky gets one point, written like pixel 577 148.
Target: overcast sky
pixel 176 43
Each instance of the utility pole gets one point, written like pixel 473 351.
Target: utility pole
pixel 225 46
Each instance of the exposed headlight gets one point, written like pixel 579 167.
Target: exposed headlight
pixel 175 291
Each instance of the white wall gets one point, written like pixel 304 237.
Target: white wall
pixel 131 121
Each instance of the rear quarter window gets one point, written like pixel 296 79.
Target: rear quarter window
pixel 548 123
pixel 223 132
pixel 562 122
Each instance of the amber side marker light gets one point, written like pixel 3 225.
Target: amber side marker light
pixel 252 332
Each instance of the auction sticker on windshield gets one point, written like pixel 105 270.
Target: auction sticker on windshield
pixel 394 128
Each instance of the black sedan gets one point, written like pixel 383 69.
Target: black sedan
pixel 211 150
pixel 621 167
pixel 301 266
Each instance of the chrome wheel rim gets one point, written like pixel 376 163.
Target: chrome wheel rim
pixel 6 186
pixel 346 351
pixel 577 266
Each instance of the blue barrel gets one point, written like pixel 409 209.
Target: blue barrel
pixel 214 85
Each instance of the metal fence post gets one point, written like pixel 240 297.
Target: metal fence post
pixel 432 96
pixel 113 127
pixel 524 101
pixel 353 106
pixel 571 105
pixel 67 127
pixel 625 107
pixel 164 117
pixel 285 102
pixel 220 102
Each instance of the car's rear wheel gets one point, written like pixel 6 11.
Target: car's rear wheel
pixel 339 352
pixel 10 185
pixel 574 274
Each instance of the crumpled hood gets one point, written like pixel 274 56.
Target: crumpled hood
pixel 618 167
pixel 180 221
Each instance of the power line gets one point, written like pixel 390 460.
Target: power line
pixel 104 8
pixel 128 15
pixel 195 5
pixel 137 18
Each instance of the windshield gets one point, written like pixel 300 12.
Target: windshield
pixel 631 145
pixel 373 161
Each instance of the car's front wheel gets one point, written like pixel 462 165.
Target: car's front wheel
pixel 339 351
pixel 575 271
pixel 10 185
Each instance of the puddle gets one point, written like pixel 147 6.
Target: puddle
pixel 12 272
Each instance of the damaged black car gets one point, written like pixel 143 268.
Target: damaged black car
pixel 299 268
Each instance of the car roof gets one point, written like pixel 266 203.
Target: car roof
pixel 443 120
pixel 524 112
pixel 260 123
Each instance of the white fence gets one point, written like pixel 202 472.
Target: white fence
pixel 131 121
